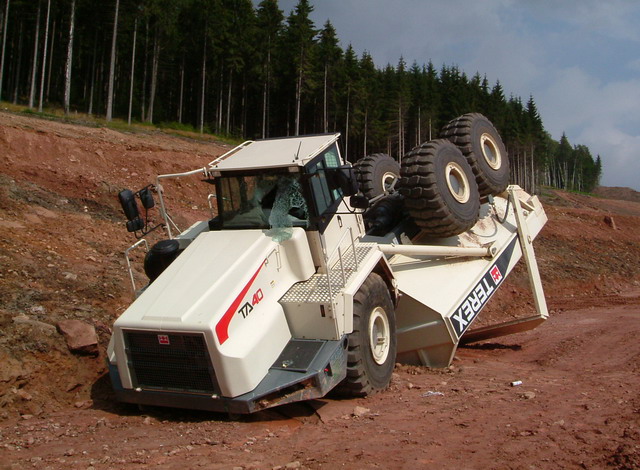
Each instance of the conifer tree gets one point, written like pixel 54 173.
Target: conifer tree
pixel 299 36
pixel 269 20
pixel 329 53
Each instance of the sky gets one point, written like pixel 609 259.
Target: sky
pixel 579 59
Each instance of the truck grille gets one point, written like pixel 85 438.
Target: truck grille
pixel 170 361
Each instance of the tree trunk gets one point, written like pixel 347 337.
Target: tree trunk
pixel 133 68
pixel 34 68
pixel 298 100
pixel 228 130
pixel 93 72
pixel 67 68
pixel 533 171
pixel 346 128
pixel 324 108
pixel 525 173
pixel 144 73
pixel 44 56
pixel 220 99
pixel 204 78
pixel 181 91
pixel 366 126
pixel 112 65
pixel 400 125
pixel 4 42
pixel 418 136
pixel 264 109
pixel 51 48
pixel 574 180
pixel 154 75
pixel 243 106
pixel 17 85
pixel 265 95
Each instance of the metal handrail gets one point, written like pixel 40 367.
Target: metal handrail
pixel 338 250
pixel 126 257
pixel 227 154
pixel 163 210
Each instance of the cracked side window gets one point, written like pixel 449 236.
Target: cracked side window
pixel 245 200
pixel 289 208
pixel 272 201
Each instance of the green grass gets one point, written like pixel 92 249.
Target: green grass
pixel 90 120
pixel 583 193
pixel 546 191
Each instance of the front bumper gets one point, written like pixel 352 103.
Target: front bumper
pixel 306 369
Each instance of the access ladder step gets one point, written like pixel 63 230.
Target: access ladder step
pixel 322 288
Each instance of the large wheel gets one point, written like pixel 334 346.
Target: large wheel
pixel 372 344
pixel 483 148
pixel 376 173
pixel 440 191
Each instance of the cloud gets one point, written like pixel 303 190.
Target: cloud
pixel 600 115
pixel 578 58
pixel 619 152
pixel 634 65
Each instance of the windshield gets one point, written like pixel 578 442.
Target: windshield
pixel 261 201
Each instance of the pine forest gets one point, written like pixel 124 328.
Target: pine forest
pixel 236 69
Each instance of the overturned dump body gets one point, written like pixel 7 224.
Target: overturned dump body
pixel 283 296
pixel 435 313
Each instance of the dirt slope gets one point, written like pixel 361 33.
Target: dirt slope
pixel 61 246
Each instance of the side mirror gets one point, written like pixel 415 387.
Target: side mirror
pixel 129 204
pixel 359 201
pixel 350 186
pixel 343 177
pixel 146 198
pixel 135 225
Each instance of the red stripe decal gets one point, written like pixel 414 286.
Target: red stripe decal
pixel 222 328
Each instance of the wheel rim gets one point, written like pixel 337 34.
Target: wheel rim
pixel 379 335
pixel 457 182
pixel 490 151
pixel 388 179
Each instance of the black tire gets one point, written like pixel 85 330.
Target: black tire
pixel 439 188
pixel 374 172
pixel 480 143
pixel 369 367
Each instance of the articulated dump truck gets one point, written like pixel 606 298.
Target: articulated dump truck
pixel 315 275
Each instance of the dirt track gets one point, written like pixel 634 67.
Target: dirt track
pixel 61 257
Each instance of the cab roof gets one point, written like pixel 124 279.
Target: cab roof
pixel 273 153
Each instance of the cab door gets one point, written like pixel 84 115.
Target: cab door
pixel 334 222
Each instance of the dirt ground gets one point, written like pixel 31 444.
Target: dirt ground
pixel 62 239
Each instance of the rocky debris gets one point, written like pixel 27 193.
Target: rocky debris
pixel 12 370
pixel 26 396
pixel 608 220
pixel 84 404
pixel 81 337
pixel 25 320
pixel 360 411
